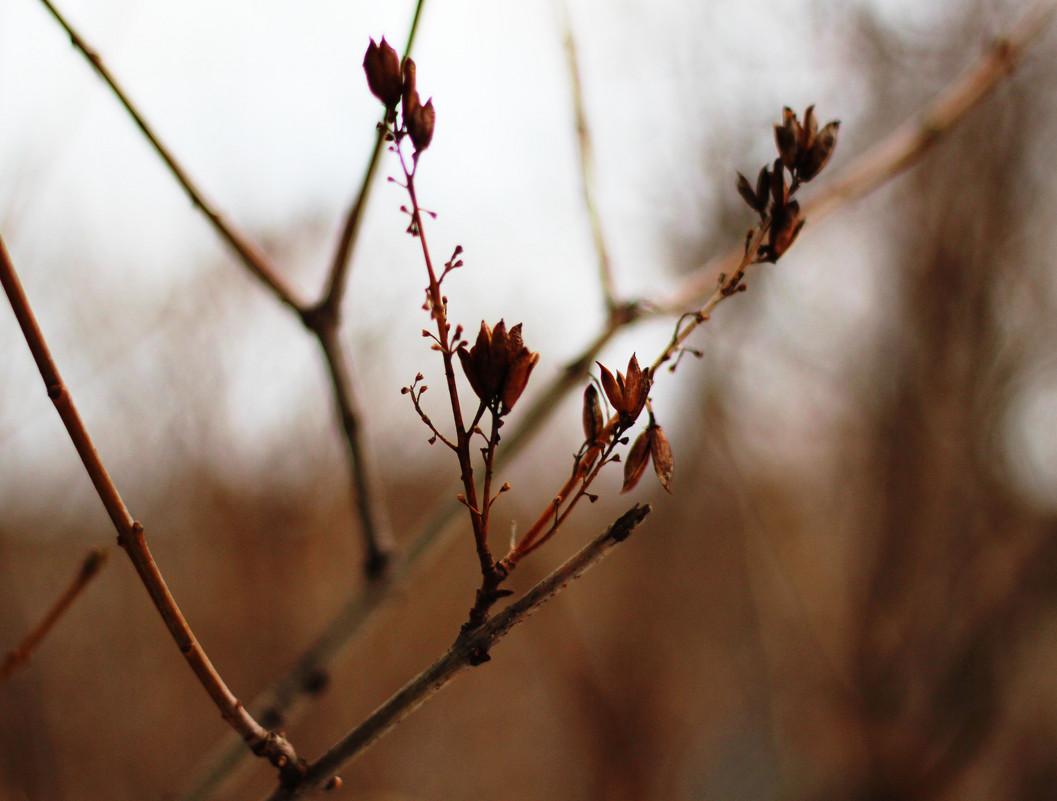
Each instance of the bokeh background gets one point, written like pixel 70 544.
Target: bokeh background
pixel 852 593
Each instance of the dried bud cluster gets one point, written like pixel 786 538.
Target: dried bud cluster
pixel 393 83
pixel 627 393
pixel 498 365
pixel 803 151
pixel 651 443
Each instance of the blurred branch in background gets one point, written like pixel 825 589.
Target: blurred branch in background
pixel 323 318
pixel 20 655
pixel 130 536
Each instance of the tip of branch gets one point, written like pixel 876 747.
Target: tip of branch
pixel 626 523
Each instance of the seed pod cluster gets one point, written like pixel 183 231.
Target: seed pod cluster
pixel 393 83
pixel 803 151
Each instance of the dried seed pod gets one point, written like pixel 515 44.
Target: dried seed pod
pixel 663 462
pixel 779 189
pixel 763 186
pixel 809 130
pixel 382 66
pixel 627 393
pixel 784 229
pixel 498 365
pixel 593 419
pixel 420 125
pixel 815 159
pixel 748 195
pixel 635 462
pixel 409 93
pixel 787 137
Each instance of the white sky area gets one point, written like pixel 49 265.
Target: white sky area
pixel 265 104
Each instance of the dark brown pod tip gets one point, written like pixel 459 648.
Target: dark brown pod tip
pixel 382 67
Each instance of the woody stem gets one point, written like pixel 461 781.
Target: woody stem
pixel 439 314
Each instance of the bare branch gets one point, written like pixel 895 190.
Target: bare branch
pixel 130 536
pixel 583 141
pixel 886 160
pixel 460 656
pixel 248 251
pixel 322 319
pixel 20 655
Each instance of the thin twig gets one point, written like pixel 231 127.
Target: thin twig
pixel 20 655
pixel 583 141
pixel 888 159
pixel 130 537
pixel 249 252
pixel 458 657
pixel 322 319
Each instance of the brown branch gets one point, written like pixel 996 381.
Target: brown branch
pixel 322 319
pixel 249 252
pixel 20 655
pixel 888 160
pixel 131 538
pixel 583 141
pixel 458 657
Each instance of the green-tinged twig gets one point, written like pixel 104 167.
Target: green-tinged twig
pixel 458 657
pixel 20 655
pixel 131 538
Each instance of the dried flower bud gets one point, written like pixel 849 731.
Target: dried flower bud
pixel 382 66
pixel 779 190
pixel 409 94
pixel 420 125
pixel 663 462
pixel 785 226
pixel 593 419
pixel 809 130
pixel 763 186
pixel 815 159
pixel 498 365
pixel 787 137
pixel 627 393
pixel 635 463
pixel 746 191
pixel 650 444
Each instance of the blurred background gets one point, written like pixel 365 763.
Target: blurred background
pixel 852 593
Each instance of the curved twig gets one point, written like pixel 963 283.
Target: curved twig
pixel 130 537
pixel 20 655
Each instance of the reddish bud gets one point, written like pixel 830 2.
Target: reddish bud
pixel 627 393
pixel 593 419
pixel 663 462
pixel 498 366
pixel 382 67
pixel 420 125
